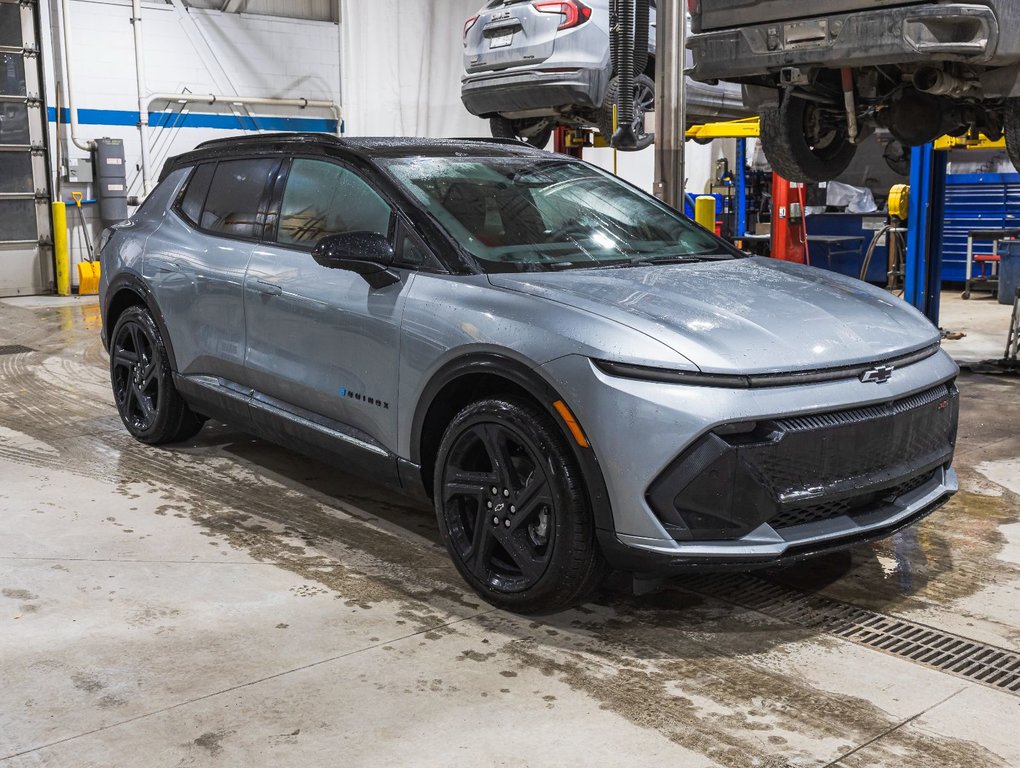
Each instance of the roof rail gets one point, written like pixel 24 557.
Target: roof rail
pixel 267 138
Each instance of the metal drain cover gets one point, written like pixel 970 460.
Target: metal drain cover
pixel 979 662
pixel 14 349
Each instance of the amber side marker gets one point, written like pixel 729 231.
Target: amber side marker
pixel 571 422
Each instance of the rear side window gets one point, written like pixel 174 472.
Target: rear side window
pixel 194 195
pixel 232 205
pixel 327 199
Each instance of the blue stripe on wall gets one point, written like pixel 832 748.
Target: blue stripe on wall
pixel 196 120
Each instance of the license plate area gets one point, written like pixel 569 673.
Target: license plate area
pixel 501 35
pixel 806 34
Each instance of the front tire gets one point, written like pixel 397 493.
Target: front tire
pixel 804 143
pixel 1011 127
pixel 512 510
pixel 143 389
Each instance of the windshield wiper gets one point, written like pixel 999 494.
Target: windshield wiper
pixel 651 261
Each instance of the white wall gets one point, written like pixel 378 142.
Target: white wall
pixel 260 55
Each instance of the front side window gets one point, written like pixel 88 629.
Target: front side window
pixel 323 199
pixel 237 188
pixel 521 214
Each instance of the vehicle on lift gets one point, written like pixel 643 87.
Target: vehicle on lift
pixel 533 66
pixel 576 375
pixel 824 75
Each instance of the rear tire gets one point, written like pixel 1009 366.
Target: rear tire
pixel 644 102
pixel 537 133
pixel 1011 128
pixel 798 149
pixel 530 545
pixel 143 388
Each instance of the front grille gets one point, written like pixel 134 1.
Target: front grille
pixel 827 510
pixel 797 470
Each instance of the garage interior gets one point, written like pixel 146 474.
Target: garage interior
pixel 226 601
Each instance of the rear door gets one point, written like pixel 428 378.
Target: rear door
pixel 510 33
pixel 719 14
pixel 196 261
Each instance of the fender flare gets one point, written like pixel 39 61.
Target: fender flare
pixel 133 283
pixel 536 385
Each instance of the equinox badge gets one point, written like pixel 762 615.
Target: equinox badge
pixel 879 375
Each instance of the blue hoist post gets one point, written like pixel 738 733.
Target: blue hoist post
pixel 741 189
pixel 924 238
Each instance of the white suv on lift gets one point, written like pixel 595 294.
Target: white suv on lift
pixel 533 65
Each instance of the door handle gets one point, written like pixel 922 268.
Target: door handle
pixel 269 289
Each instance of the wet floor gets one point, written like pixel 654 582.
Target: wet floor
pixel 226 602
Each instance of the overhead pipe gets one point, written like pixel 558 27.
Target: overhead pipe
pixel 143 109
pixel 65 25
pixel 211 99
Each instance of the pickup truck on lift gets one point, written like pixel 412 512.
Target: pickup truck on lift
pixel 823 75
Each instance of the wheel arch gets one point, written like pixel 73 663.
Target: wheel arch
pixel 470 378
pixel 129 290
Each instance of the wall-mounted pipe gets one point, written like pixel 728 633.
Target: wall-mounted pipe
pixel 192 98
pixel 143 109
pixel 65 6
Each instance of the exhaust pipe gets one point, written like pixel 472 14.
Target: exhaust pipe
pixel 623 62
pixel 938 82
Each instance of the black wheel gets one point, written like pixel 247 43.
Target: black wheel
pixel 537 133
pixel 1011 128
pixel 512 508
pixel 644 102
pixel 143 388
pixel 805 141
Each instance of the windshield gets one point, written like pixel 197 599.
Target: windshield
pixel 526 214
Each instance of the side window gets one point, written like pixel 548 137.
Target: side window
pixel 237 188
pixel 196 191
pixel 323 198
pixel 411 253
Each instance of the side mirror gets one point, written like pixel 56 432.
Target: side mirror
pixel 369 254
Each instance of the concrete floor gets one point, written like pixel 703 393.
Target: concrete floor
pixel 229 603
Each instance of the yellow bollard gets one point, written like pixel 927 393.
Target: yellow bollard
pixel 704 212
pixel 61 250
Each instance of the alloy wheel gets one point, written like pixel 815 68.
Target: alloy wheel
pixel 499 507
pixel 136 384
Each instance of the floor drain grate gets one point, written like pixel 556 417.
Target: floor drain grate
pixel 14 349
pixel 919 643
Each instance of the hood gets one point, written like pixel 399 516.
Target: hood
pixel 749 315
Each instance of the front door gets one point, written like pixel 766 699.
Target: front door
pixel 322 342
pixel 26 264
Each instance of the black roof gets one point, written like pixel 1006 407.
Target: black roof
pixel 366 147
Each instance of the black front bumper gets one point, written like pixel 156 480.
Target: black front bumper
pixel 792 472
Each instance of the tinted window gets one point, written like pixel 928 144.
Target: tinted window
pixel 326 199
pixel 194 195
pixel 234 196
pixel 537 213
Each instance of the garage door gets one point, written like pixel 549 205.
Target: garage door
pixel 25 264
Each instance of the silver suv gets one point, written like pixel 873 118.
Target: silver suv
pixel 533 65
pixel 825 74
pixel 576 375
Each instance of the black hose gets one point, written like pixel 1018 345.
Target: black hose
pixel 623 31
pixel 641 21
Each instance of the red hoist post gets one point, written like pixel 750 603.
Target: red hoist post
pixel 566 141
pixel 789 227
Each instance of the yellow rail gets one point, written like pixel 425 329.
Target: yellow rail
pixel 749 128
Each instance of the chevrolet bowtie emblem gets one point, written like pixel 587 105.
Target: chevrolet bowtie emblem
pixel 879 375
